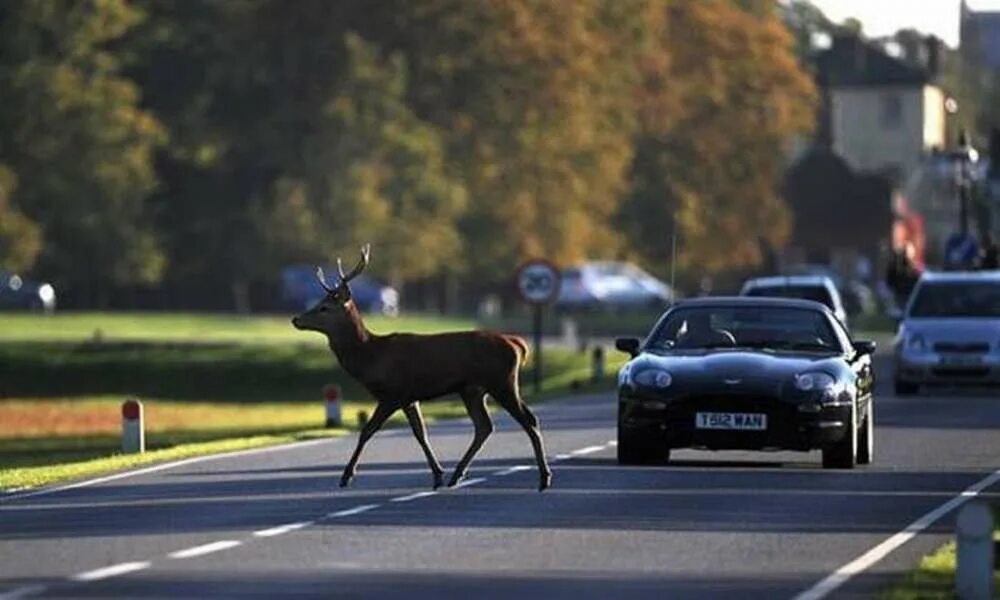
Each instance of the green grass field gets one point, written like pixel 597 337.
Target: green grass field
pixel 207 382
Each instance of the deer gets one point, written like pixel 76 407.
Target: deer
pixel 400 370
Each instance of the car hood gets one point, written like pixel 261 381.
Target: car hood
pixel 748 365
pixel 964 330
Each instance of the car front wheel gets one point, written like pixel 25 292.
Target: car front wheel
pixel 632 450
pixel 866 438
pixel 905 388
pixel 844 453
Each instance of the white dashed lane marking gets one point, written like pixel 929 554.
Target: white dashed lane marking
pixel 205 549
pixel 23 592
pixel 413 496
pixel 112 571
pixel 512 470
pixel 282 529
pixel 352 511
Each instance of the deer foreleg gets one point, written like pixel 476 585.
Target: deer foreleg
pixel 416 420
pixel 475 404
pixel 382 412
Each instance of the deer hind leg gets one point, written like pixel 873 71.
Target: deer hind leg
pixel 509 398
pixel 382 412
pixel 475 403
pixel 416 420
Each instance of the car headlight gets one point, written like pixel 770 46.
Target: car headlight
pixel 814 381
pixel 916 343
pixel 653 378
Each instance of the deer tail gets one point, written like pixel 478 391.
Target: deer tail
pixel 521 346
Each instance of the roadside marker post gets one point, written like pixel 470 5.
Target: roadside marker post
pixel 133 427
pixel 331 394
pixel 974 533
pixel 597 364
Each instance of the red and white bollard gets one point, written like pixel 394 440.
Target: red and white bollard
pixel 331 394
pixel 133 428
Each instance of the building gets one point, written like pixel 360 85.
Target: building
pixel 979 37
pixel 882 114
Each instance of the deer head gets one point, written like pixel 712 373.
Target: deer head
pixel 337 307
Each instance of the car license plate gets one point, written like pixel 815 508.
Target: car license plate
pixel 731 421
pixel 961 360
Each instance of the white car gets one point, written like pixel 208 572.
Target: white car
pixel 950 331
pixel 611 284
pixel 818 288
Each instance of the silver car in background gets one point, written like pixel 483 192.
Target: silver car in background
pixel 950 331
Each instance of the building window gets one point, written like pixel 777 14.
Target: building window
pixel 891 115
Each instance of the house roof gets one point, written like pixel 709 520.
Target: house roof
pixel 852 61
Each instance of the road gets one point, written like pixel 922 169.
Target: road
pixel 273 523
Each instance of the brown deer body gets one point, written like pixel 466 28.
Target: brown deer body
pixel 401 369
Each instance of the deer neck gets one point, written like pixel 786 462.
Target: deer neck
pixel 349 341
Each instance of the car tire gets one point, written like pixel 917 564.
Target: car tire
pixel 905 388
pixel 635 451
pixel 843 454
pixel 866 438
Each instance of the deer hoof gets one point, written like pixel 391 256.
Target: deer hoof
pixel 438 480
pixel 455 479
pixel 544 482
pixel 345 481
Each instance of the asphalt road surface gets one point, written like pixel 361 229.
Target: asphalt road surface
pixel 730 524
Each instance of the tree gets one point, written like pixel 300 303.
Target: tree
pixel 72 131
pixel 738 96
pixel 20 238
pixel 535 101
pixel 372 172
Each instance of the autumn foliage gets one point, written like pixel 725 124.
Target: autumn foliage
pixel 214 142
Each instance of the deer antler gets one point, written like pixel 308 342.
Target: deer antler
pixel 365 252
pixel 322 280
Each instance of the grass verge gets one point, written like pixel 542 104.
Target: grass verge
pixel 934 577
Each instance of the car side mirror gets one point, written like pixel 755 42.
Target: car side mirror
pixel 896 314
pixel 864 347
pixel 628 345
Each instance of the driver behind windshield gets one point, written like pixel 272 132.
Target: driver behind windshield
pixel 699 333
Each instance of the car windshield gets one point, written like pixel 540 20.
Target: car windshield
pixel 816 293
pixel 957 299
pixel 767 327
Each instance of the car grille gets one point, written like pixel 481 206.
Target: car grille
pixel 957 348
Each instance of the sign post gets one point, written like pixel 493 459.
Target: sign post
pixel 538 284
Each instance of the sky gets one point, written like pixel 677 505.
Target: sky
pixel 884 17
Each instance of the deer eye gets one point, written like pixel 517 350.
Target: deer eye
pixel 322 309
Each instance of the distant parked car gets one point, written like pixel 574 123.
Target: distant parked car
pixel 18 293
pixel 950 331
pixel 300 290
pixel 612 285
pixel 818 288
pixel 858 298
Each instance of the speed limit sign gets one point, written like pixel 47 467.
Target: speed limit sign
pixel 538 281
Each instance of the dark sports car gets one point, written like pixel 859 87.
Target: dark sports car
pixel 748 374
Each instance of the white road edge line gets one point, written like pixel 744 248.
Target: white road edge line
pixel 112 571
pixel 205 549
pixel 563 456
pixel 282 529
pixel 23 592
pixel 842 575
pixel 352 511
pixel 160 467
pixel 588 450
pixel 413 496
